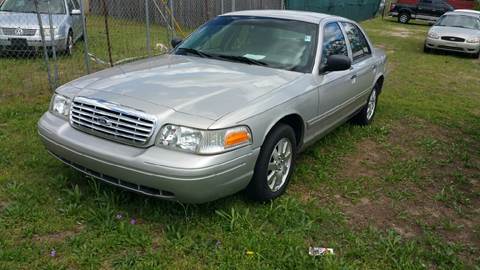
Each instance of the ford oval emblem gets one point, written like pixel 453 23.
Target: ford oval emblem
pixel 104 121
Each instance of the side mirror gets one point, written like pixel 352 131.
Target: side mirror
pixel 75 12
pixel 175 41
pixel 337 62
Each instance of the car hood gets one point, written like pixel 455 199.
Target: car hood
pixel 456 32
pixel 28 20
pixel 197 86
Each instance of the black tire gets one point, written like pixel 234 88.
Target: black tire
pixel 476 55
pixel 426 49
pixel 69 44
pixel 258 188
pixel 404 17
pixel 363 117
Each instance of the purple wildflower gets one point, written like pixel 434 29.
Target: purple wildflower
pixel 133 221
pixel 53 253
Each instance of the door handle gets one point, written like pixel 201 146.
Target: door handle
pixel 354 77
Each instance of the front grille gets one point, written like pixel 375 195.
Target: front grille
pixel 454 39
pixel 19 32
pixel 111 121
pixel 117 182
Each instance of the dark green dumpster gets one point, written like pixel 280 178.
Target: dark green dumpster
pixel 357 10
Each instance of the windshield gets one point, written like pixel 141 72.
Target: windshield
pixel 276 43
pixel 28 6
pixel 461 21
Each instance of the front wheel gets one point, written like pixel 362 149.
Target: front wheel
pixel 366 115
pixel 69 44
pixel 274 166
pixel 426 49
pixel 404 17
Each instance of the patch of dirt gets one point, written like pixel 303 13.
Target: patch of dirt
pixel 3 205
pixel 366 161
pixel 407 141
pixel 58 236
pixel 381 214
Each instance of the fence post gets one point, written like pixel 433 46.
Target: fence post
pixel 233 5
pixel 53 44
pixel 222 7
pixel 109 45
pixel 172 18
pixel 45 52
pixel 85 37
pixel 147 22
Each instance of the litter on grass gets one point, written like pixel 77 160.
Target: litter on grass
pixel 320 251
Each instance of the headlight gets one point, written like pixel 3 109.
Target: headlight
pixel 433 35
pixel 473 40
pixel 46 31
pixel 203 141
pixel 60 105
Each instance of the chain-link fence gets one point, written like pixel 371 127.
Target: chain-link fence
pixel 45 43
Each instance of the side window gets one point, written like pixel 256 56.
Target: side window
pixel 70 5
pixel 76 4
pixel 358 42
pixel 333 42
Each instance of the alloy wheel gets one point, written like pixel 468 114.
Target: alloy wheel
pixel 372 104
pixel 279 165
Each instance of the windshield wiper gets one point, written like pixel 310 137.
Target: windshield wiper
pixel 196 52
pixel 243 59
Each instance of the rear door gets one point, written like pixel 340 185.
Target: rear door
pixel 426 9
pixel 440 7
pixel 363 64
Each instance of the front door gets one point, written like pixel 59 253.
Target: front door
pixel 335 88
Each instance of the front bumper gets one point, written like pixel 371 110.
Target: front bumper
pixel 153 171
pixel 31 43
pixel 445 45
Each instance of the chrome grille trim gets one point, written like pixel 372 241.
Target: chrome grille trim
pixel 25 32
pixel 112 121
pixel 454 39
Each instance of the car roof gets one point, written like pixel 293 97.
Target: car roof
pixel 311 17
pixel 466 12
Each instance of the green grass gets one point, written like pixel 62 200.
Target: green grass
pixel 403 193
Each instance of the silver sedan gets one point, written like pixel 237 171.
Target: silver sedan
pixel 20 30
pixel 228 109
pixel 457 31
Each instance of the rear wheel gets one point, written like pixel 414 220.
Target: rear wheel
pixel 404 17
pixel 366 115
pixel 274 165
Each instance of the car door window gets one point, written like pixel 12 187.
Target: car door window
pixel 333 42
pixel 358 42
pixel 70 5
pixel 76 4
